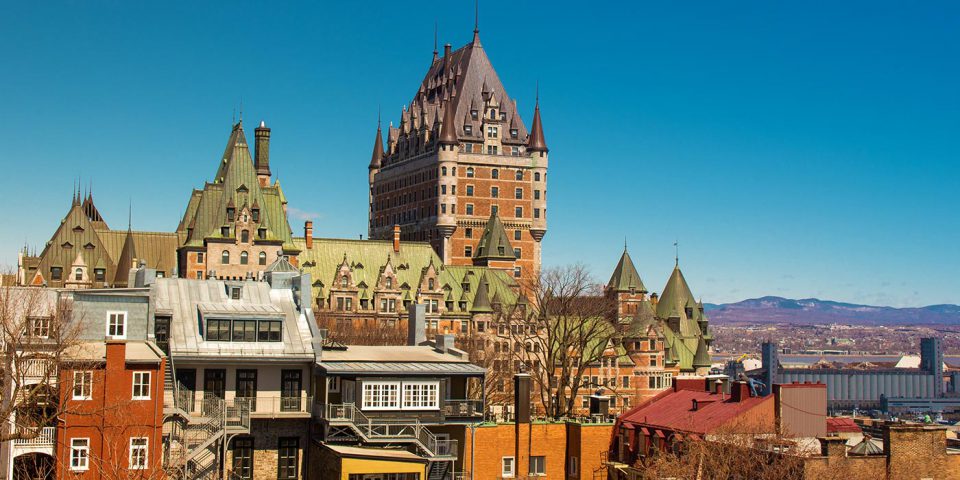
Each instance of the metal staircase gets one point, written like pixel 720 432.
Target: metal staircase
pixel 195 440
pixel 348 424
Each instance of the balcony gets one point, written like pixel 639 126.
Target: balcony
pixel 38 370
pixel 349 424
pixel 458 409
pixel 45 437
pixel 260 407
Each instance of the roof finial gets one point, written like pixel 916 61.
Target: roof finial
pixel 538 93
pixel 676 257
pixel 476 17
pixel 241 109
pixel 129 213
pixel 435 51
pixel 624 244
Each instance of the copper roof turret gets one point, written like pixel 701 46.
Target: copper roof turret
pixel 536 142
pixel 448 132
pixel 377 149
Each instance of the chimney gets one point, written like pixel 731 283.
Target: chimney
pixel 521 398
pixel 396 238
pixel 446 50
pixel 416 324
pixel 739 391
pixel 443 342
pixel 308 233
pixel 116 353
pixel 261 156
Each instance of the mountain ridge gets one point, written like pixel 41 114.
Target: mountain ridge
pixel 805 311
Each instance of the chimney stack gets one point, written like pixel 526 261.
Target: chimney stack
pixel 396 238
pixel 308 233
pixel 446 50
pixel 416 324
pixel 261 156
pixel 521 398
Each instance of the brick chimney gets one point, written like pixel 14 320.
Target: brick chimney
pixel 116 353
pixel 261 156
pixel 308 233
pixel 396 238
pixel 739 391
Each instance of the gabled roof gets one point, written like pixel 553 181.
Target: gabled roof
pixel 673 410
pixel 625 277
pixel 494 243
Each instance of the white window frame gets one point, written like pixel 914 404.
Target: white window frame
pixel 86 379
pixel 367 403
pixel 506 472
pixel 417 395
pixel 541 473
pixel 141 385
pixel 333 384
pixel 123 326
pixel 79 463
pixel 146 453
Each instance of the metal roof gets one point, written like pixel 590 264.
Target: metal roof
pixel 401 368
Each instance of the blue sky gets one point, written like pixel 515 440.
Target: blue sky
pixel 794 148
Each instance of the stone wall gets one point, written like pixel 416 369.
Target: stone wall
pixel 266 440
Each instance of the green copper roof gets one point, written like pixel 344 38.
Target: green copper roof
pixel 481 301
pixel 625 277
pixel 702 357
pixel 235 186
pixel 687 336
pixel 494 244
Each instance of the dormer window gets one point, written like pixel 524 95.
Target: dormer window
pixel 56 273
pixel 256 214
pixel 468 129
pixel 514 133
pixel 503 116
pixel 344 281
pixel 261 233
pixel 431 284
pixel 493 114
pixel 474 114
pixel 465 286
pixel 389 283
pixel 230 213
pixel 78 274
pixel 245 236
pixel 224 231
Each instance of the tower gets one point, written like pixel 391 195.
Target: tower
pixel 460 155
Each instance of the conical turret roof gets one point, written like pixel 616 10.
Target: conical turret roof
pixel 377 156
pixel 625 277
pixel 494 243
pixel 537 142
pixel 481 301
pixel 448 129
pixel 675 295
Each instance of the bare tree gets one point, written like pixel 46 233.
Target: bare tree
pixel 38 334
pixel 560 333
pixel 493 355
pixel 350 330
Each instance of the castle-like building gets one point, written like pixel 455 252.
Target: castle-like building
pixel 460 156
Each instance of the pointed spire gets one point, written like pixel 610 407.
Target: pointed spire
pixel 435 51
pixel 536 141
pixel 376 159
pixel 476 22
pixel 481 300
pixel 625 277
pixel 448 133
pixel 494 243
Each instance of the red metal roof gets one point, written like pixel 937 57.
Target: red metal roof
pixel 842 425
pixel 673 410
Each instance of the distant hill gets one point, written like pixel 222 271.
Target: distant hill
pixel 816 311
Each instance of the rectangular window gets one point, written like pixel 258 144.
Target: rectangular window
pixel 494 209
pixel 538 465
pixel 244 330
pixel 517 234
pixel 518 212
pixel 421 395
pixel 468 232
pixel 517 252
pixel 516 272
pixel 235 293
pixel 40 326
pixel 79 454
pixel 243 458
pixel 468 147
pixel 443 189
pixel 507 467
pixel 381 396
pixel 491 149
pixel 117 325
pixel 288 453
pixel 536 213
pixel 495 192
pixel 333 383
pixel 652 381
pixel 218 330
pixel 199 257
pixel 626 381
pixel 82 385
pixel 141 385
pixel 138 453
pixel 653 360
pixel 99 274
pixel 56 273
pixel 269 331
pixel 468 251
pixel 518 193
pixel 469 209
pixel 469 190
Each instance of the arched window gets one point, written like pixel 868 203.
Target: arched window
pixel 536 176
pixel 495 173
pixel 469 172
pixel 225 258
pixel 78 275
pixel 519 174
pixel 263 258
pixel 344 281
pixel 389 282
pixel 430 284
pixel 243 257
pixel 443 171
pixel 245 236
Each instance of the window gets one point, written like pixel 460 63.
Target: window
pixel 536 194
pixel 513 133
pixel 469 190
pixel 244 331
pixel 443 171
pixel 431 284
pixel 443 189
pixel 626 381
pixel 243 258
pixel 507 467
pixel 652 382
pixel 469 172
pixel 78 274
pixel 245 236
pixel 574 468
pixel 495 192
pixel 653 360
pixel 333 383
pixel 518 212
pixel 199 257
pixel 516 272
pixel 538 465
pixel 243 458
pixel 224 231
pixel 536 213
pixel 469 209
pixel 491 150
pixel 235 293
pixel 82 385
pixel 117 324
pixel 230 213
pixel 389 283
pixel 518 194
pixel 381 395
pixel 443 208
pixel 494 210
pixel 40 326
pixel 536 176
pixel 468 232
pixel 516 252
pixel 468 147
pixel 287 458
pixel 141 385
pixel 468 129
pixel 269 331
pixel 225 258
pixel 256 214
pixel 79 454
pixel 138 453
pixel 517 234
pixel 473 114
pixel 495 173
pixel 492 132
pixel 468 251
pixel 421 395
pixel 261 233
pixel 262 258
pixel 56 273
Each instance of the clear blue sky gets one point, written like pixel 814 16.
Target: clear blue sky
pixel 794 148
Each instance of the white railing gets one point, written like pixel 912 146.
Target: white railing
pixel 37 368
pixel 384 429
pixel 44 436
